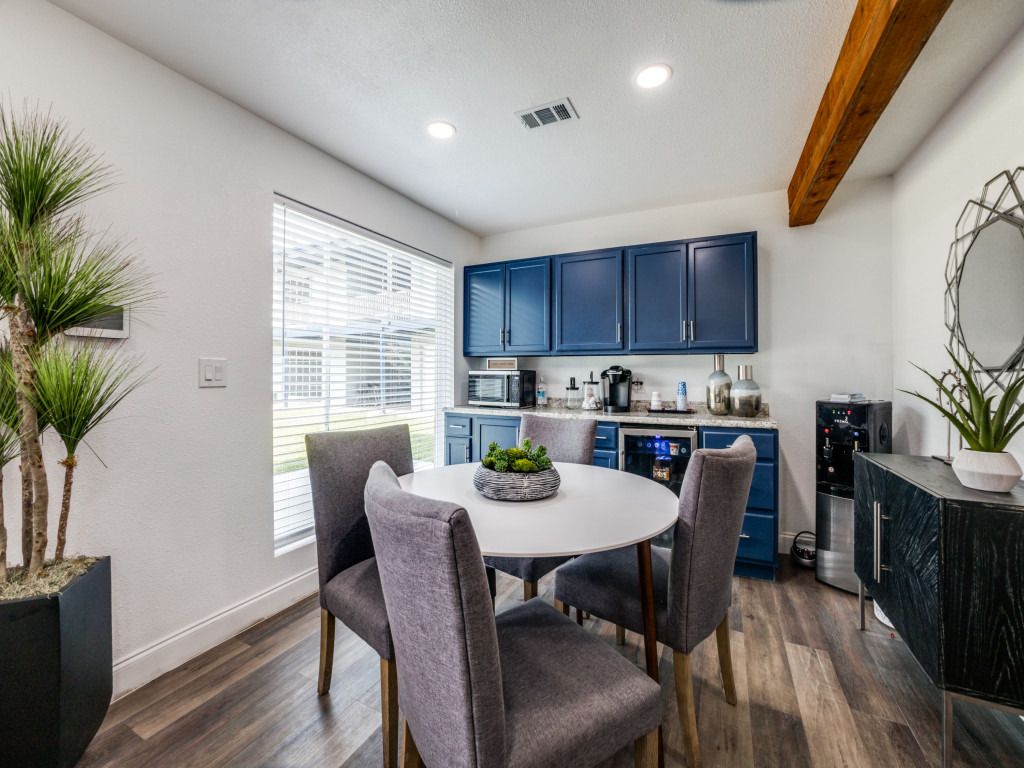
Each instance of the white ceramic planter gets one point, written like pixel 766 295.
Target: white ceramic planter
pixel 986 471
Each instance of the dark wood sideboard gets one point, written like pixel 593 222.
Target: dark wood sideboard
pixel 946 565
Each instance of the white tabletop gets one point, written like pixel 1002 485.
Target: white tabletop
pixel 595 509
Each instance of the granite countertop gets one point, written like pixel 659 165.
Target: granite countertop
pixel 699 419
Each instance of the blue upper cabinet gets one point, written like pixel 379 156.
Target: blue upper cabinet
pixel 657 296
pixel 723 294
pixel 589 302
pixel 483 310
pixel 507 308
pixel 528 306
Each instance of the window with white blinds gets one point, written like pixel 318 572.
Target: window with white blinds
pixel 363 337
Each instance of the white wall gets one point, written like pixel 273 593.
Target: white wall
pixel 824 310
pixel 184 504
pixel 978 138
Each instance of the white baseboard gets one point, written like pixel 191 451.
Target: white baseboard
pixel 147 664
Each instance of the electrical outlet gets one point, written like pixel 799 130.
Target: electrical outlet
pixel 213 372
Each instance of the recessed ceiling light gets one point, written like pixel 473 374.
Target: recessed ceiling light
pixel 441 130
pixel 653 76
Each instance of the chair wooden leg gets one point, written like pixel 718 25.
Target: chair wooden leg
pixel 725 660
pixel 529 590
pixel 410 755
pixel 565 608
pixel 323 681
pixel 620 634
pixel 579 617
pixel 687 711
pixel 646 753
pixel 389 711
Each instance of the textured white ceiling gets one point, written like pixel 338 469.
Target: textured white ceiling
pixel 361 80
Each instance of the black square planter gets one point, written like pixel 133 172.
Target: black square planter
pixel 56 672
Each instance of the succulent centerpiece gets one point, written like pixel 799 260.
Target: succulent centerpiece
pixel 520 473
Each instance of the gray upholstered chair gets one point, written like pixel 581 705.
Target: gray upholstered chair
pixel 692 581
pixel 570 441
pixel 339 463
pixel 527 688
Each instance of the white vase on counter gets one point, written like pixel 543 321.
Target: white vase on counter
pixel 987 470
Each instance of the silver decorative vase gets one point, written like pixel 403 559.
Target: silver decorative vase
pixel 719 386
pixel 745 395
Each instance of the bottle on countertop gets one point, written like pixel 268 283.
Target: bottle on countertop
pixel 542 392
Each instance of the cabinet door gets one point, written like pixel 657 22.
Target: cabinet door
pixel 656 297
pixel 869 493
pixel 910 575
pixel 456 450
pixel 588 302
pixel 609 459
pixel 483 309
pixel 723 294
pixel 528 306
pixel 503 430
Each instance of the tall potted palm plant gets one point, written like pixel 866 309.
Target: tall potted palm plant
pixel 55 615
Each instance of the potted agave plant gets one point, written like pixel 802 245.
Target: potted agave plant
pixel 55 610
pixel 986 428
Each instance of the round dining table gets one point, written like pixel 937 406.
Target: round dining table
pixel 594 509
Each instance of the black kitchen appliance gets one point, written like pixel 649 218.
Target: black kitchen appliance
pixel 658 454
pixel 616 383
pixel 842 431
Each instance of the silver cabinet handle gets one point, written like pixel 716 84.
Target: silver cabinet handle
pixel 693 336
pixel 501 335
pixel 879 517
pixel 744 535
pixel 682 328
pixel 456 426
pixel 467 453
pixel 508 335
pixel 618 332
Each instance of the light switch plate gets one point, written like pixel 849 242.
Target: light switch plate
pixel 213 372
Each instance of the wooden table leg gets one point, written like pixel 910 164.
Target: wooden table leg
pixel 643 552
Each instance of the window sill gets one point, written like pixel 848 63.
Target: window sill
pixel 291 546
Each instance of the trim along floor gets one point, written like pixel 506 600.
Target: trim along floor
pixel 813 691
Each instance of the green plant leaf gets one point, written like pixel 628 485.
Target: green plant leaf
pixel 969 435
pixel 78 385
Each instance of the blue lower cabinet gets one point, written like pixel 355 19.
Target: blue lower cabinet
pixel 757 554
pixel 456 450
pixel 503 430
pixel 609 459
pixel 606 445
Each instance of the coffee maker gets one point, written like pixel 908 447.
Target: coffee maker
pixel 616 383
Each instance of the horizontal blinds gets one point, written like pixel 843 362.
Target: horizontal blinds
pixel 363 337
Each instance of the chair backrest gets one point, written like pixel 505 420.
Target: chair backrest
pixel 567 440
pixel 442 622
pixel 712 502
pixel 339 463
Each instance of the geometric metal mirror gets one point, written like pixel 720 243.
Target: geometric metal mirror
pixel 985 282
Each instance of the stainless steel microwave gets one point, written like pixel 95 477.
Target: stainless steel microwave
pixel 503 389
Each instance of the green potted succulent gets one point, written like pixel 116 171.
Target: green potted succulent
pixel 520 473
pixel 986 427
pixel 55 275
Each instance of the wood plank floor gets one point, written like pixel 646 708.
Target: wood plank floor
pixel 813 691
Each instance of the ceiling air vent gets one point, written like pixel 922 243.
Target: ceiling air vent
pixel 548 114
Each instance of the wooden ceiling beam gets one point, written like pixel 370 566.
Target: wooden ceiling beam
pixel 882 43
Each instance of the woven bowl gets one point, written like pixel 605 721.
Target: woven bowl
pixel 516 486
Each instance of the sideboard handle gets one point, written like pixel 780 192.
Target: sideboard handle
pixel 744 535
pixel 879 517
